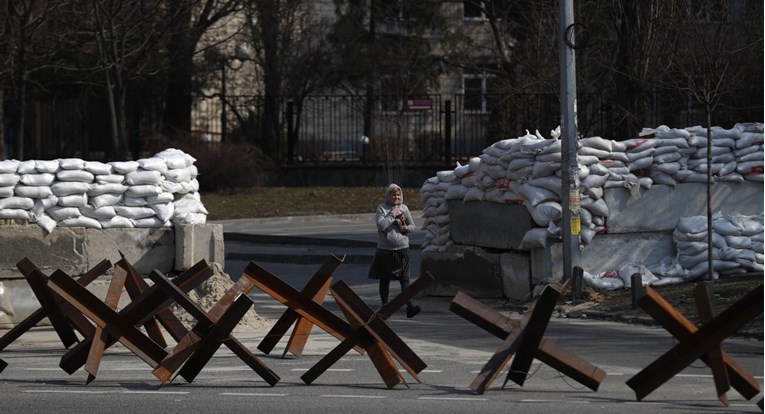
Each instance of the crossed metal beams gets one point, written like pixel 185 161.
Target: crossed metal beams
pixel 699 343
pixel 366 329
pixel 524 339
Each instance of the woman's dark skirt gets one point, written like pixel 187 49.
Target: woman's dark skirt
pixel 390 264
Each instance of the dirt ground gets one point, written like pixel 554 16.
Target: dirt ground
pixel 617 304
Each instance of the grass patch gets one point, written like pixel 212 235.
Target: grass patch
pixel 299 201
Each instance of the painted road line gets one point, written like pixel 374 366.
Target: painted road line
pixel 157 392
pixel 252 394
pixel 376 397
pixel 330 369
pixel 67 392
pixel 453 398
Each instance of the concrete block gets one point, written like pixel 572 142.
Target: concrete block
pixel 196 242
pixel 146 248
pixel 473 270
pixel 613 251
pixel 487 224
pixel 516 275
pixel 659 208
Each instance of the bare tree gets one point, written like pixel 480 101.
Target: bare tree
pixel 194 18
pixel 23 26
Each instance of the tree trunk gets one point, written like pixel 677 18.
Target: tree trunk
pixel 176 119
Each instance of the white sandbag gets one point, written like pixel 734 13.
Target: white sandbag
pixel 26 167
pixel 472 194
pixel 170 155
pixel 603 281
pixel 185 175
pixel 186 219
pixel 110 188
pixel 153 164
pixel 640 164
pixel 519 163
pixel 47 223
pixel 740 152
pixel 80 221
pixel 678 142
pixel 667 158
pixel 71 163
pixel 550 182
pixel 545 212
pixel 586 234
pixel 134 201
pixel 143 177
pixel 534 195
pixel 512 198
pixel 646 277
pixel 101 213
pixel 749 225
pixel 590 159
pixel 690 248
pixel 75 175
pixel 38 179
pixel 97 168
pixel 551 157
pixel 593 192
pixel 494 195
pixel 748 139
pixel 474 164
pixel 73 200
pixel 41 205
pixel 664 131
pixel 110 179
pixel 9 166
pixel 461 170
pixel 455 192
pixel 143 190
pixel 116 222
pixel 542 169
pixel 14 214
pixel 65 188
pixel 536 237
pixel 9 180
pixel 124 167
pixel 597 207
pixel 32 191
pixel 47 166
pixel 189 204
pixel 108 199
pixel 164 211
pixel 134 212
pixel 468 180
pixel 593 180
pixel 596 142
pixel 640 144
pixel 665 149
pixel 752 156
pixel 668 267
pixel 60 213
pixel 24 203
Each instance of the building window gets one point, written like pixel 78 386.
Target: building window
pixel 399 10
pixel 477 89
pixel 472 9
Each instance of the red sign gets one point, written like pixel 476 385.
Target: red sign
pixel 418 104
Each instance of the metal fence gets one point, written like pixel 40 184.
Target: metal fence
pixel 331 129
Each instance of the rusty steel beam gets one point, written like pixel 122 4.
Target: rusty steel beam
pixel 140 310
pixel 681 328
pixel 697 344
pixel 100 337
pixel 39 314
pixel 317 289
pixel 512 333
pixel 295 300
pixel 105 317
pixel 213 325
pixel 370 332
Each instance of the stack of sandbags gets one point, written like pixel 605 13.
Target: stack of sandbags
pixel 436 211
pixel 70 192
pixel 737 244
pixel 527 171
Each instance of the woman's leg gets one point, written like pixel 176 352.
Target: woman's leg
pixel 384 290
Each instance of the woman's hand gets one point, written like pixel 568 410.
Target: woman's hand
pixel 404 228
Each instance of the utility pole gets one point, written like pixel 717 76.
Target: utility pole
pixel 570 165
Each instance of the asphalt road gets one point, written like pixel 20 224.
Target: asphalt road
pixel 453 349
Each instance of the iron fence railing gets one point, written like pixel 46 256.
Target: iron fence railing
pixel 330 129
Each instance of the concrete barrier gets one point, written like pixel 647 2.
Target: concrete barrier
pixel 76 249
pixel 486 259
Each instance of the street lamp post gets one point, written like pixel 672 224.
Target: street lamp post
pixel 223 121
